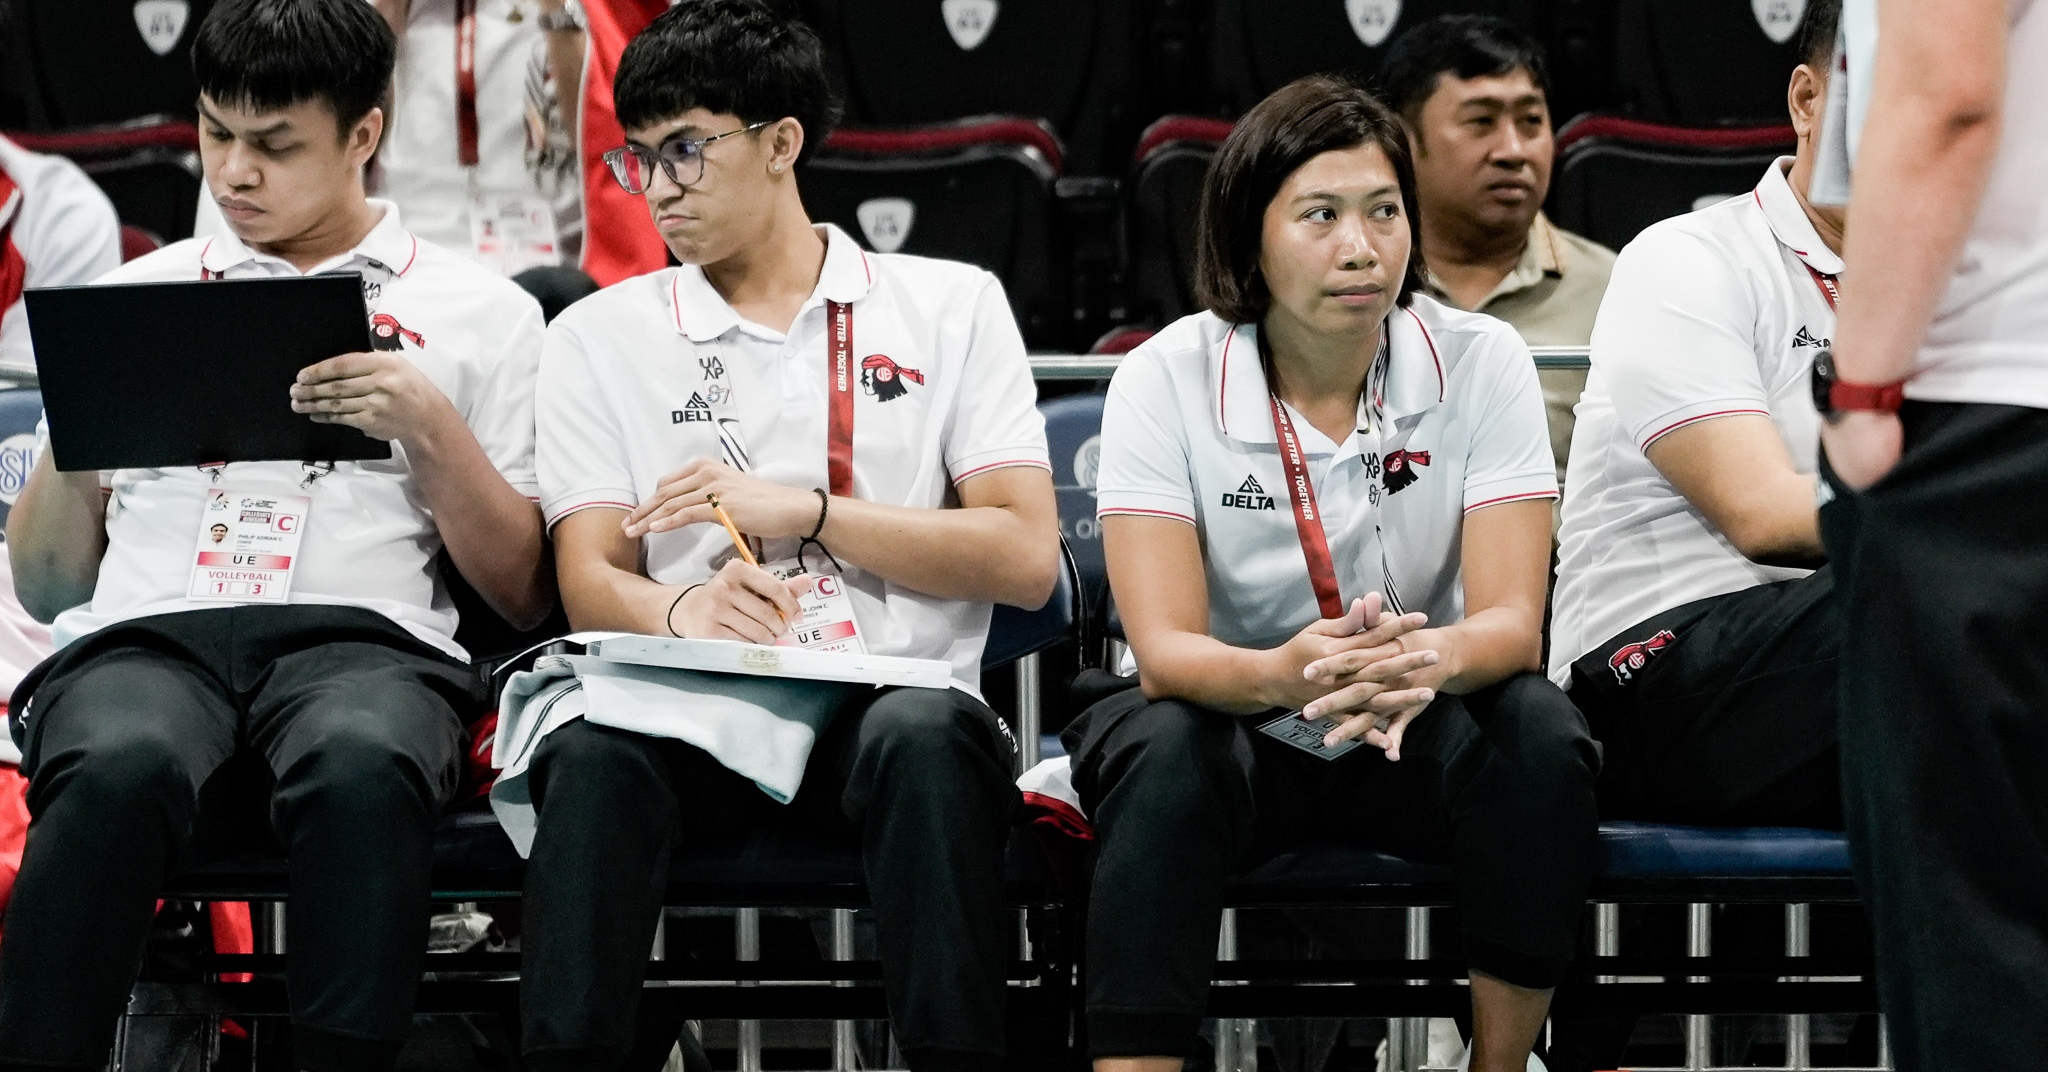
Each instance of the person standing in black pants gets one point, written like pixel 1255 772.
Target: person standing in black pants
pixel 1326 510
pixel 1935 402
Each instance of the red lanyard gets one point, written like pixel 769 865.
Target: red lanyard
pixel 1308 521
pixel 465 81
pixel 1828 287
pixel 839 374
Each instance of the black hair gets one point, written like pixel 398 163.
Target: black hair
pixel 264 55
pixel 1817 32
pixel 1300 121
pixel 1463 46
pixel 733 57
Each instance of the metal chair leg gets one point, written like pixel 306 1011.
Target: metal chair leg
pixel 1799 1026
pixel 747 947
pixel 845 1056
pixel 1237 1041
pixel 1699 1030
pixel 1030 713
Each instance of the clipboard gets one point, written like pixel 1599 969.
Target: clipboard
pixel 161 375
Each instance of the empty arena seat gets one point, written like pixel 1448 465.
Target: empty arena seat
pixel 98 63
pixel 1257 46
pixel 912 62
pixel 1165 192
pixel 979 190
pixel 1706 61
pixel 148 169
pixel 1616 176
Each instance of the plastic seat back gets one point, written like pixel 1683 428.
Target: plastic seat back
pixel 979 191
pixel 1617 176
pixel 1702 62
pixel 103 62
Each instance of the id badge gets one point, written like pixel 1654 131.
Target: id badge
pixel 825 621
pixel 248 546
pixel 1307 734
pixel 513 232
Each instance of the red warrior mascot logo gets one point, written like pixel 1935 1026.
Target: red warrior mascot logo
pixel 884 379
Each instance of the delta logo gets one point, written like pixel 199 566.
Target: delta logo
pixel 1249 496
pixel 1806 338
pixel 696 409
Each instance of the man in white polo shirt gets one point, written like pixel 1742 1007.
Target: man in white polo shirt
pixel 349 686
pixel 867 418
pixel 1689 623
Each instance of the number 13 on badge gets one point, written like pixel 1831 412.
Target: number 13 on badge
pixel 248 547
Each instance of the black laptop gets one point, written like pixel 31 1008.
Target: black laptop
pixel 154 375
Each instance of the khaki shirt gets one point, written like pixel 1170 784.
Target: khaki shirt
pixel 1551 298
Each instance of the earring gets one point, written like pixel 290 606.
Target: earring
pixel 775 167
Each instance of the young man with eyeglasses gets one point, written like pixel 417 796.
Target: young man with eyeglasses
pixel 865 418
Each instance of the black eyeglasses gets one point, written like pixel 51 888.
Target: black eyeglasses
pixel 681 157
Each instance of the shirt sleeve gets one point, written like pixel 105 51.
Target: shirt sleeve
pixel 74 238
pixel 580 448
pixel 996 423
pixel 1674 340
pixel 1144 468
pixel 502 418
pixel 1510 458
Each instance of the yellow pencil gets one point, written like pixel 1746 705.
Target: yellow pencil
pixel 740 542
pixel 733 531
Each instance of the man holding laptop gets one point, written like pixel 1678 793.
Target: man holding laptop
pixel 338 671
pixel 869 420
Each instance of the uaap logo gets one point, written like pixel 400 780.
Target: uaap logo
pixel 17 461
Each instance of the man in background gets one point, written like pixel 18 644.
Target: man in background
pixel 1475 92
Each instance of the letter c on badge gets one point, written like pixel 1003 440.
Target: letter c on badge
pixel 827 586
pixel 286 523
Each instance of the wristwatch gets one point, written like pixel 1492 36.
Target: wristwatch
pixel 1833 397
pixel 570 17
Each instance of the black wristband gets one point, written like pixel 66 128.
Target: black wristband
pixel 824 507
pixel 669 619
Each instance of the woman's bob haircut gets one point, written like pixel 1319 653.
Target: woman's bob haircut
pixel 1301 120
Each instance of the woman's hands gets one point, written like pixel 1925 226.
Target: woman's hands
pixel 1366 672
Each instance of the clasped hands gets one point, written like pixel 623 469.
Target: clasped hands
pixel 1364 670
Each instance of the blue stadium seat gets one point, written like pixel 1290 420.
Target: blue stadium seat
pixel 1014 632
pixel 1638 861
pixel 1616 176
pixel 20 409
pixel 1073 436
pixel 979 190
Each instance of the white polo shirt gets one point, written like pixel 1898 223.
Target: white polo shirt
pixel 1988 342
pixel 370 540
pixel 1187 433
pixel 626 394
pixel 62 227
pixel 522 149
pixel 1710 314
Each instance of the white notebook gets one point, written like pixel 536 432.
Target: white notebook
pixel 736 657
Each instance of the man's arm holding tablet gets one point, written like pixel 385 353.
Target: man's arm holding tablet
pixel 56 536
pixel 492 532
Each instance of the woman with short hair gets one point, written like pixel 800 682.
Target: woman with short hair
pixel 1326 510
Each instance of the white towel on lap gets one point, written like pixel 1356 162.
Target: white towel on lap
pixel 760 727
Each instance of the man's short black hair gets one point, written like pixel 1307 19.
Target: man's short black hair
pixel 1817 32
pixel 733 57
pixel 1300 121
pixel 1463 46
pixel 263 55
